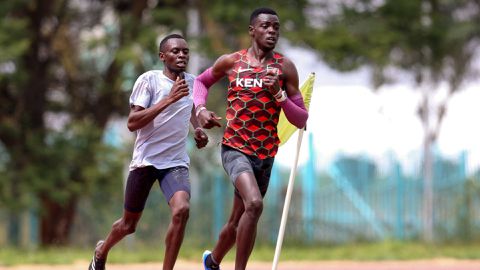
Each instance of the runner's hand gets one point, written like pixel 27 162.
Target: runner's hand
pixel 208 119
pixel 271 81
pixel 179 90
pixel 201 139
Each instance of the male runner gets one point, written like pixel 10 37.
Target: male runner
pixel 261 83
pixel 161 105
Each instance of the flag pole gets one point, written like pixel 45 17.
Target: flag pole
pixel 286 204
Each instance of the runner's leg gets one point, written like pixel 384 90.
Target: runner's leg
pixel 247 186
pixel 179 206
pixel 228 234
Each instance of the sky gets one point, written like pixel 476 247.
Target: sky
pixel 347 116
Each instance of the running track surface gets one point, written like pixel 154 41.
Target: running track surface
pixel 436 264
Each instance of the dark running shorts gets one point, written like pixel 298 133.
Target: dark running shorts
pixel 235 163
pixel 140 182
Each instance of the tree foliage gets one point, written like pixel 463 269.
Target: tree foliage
pixel 436 41
pixel 225 23
pixel 67 68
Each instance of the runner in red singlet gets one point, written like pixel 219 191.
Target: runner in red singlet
pixel 252 112
pixel 261 83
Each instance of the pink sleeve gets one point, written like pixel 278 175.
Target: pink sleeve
pixel 201 85
pixel 295 110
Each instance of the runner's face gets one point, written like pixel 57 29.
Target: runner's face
pixel 175 54
pixel 265 30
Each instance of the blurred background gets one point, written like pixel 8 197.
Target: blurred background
pixel 391 152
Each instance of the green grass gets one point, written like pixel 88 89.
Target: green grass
pixel 364 251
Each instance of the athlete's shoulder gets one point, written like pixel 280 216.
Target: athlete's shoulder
pixel 285 61
pixel 231 57
pixel 147 75
pixel 234 56
pixel 288 63
pixel 241 52
pixel 225 62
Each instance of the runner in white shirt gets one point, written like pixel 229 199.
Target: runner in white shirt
pixel 162 142
pixel 161 109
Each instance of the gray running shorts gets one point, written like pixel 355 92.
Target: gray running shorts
pixel 235 163
pixel 140 182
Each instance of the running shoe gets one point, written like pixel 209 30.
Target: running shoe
pixel 97 264
pixel 206 253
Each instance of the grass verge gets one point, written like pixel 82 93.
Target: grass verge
pixel 361 252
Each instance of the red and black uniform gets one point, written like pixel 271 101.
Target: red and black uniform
pixel 252 111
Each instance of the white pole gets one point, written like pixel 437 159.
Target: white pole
pixel 286 205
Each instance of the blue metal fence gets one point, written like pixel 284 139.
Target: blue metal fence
pixel 354 200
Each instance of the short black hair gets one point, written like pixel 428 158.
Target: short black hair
pixel 165 39
pixel 262 10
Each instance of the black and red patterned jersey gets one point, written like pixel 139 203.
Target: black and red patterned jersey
pixel 252 111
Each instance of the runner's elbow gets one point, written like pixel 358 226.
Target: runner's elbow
pixel 132 126
pixel 300 121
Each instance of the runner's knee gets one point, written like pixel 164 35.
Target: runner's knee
pixel 180 213
pixel 254 207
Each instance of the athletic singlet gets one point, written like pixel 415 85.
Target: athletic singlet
pixel 252 111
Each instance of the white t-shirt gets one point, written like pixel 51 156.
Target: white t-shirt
pixel 162 142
